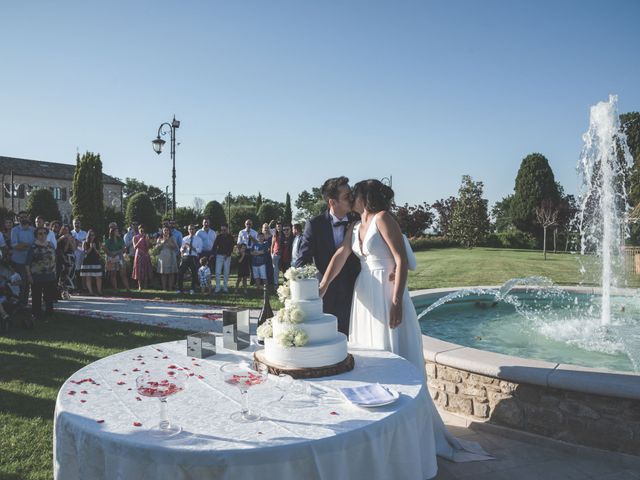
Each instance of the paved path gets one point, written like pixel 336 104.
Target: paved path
pixel 530 458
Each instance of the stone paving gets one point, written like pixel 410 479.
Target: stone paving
pixel 526 458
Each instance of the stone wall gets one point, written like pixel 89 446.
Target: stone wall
pixel 597 421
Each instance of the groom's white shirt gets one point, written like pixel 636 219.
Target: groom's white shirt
pixel 338 232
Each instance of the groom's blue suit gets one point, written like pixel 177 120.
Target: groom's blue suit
pixel 317 246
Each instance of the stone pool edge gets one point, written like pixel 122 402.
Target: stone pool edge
pixel 587 406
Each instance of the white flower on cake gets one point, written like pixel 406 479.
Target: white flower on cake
pixel 302 273
pixel 293 337
pixel 284 292
pixel 265 330
pixel 290 314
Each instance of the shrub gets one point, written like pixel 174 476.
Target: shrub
pixel 425 243
pixel 140 209
pixel 41 202
pixel 511 239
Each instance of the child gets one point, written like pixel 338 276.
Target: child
pixel 204 274
pixel 258 260
pixel 244 266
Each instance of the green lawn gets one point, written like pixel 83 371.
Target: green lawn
pixel 454 267
pixel 35 363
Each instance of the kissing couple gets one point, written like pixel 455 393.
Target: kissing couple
pixel 358 247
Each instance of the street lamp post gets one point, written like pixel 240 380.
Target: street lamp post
pixel 157 147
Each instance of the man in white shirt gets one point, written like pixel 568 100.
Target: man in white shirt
pixel 248 233
pixel 51 237
pixel 80 236
pixel 189 254
pixel 208 237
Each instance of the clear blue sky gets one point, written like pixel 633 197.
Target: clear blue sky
pixel 276 96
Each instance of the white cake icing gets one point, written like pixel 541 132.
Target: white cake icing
pixel 325 346
pixel 317 354
pixel 306 289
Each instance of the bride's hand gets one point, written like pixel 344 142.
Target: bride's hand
pixel 395 317
pixel 322 289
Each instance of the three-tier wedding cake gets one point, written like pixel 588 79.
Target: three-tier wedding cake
pixel 300 336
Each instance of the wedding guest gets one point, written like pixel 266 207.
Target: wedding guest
pixel 40 268
pixel 223 249
pixel 80 236
pixel 7 226
pixel 204 276
pixel 56 225
pixel 177 235
pixel 248 235
pixel 128 239
pixel 65 248
pixel 114 249
pixel 142 270
pixel 259 252
pixel 189 253
pixel 167 261
pixel 91 264
pixel 208 237
pixel 295 244
pixel 276 252
pixel 244 267
pixel 22 237
pixel 286 241
pixel 51 237
pixel 267 233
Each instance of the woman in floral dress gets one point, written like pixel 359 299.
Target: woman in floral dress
pixel 142 270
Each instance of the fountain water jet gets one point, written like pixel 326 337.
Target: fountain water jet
pixel 603 164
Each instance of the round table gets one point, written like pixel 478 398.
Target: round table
pixel 101 424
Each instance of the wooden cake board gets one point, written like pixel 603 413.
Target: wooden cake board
pixel 344 366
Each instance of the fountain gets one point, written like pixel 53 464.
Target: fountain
pixel 557 361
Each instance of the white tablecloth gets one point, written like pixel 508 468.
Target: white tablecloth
pixel 101 425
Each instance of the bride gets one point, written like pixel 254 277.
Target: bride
pixel 382 314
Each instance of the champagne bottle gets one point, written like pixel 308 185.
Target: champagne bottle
pixel 266 313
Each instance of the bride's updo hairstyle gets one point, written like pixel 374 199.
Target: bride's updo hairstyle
pixel 377 196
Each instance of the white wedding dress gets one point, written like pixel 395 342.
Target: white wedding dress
pixel 369 327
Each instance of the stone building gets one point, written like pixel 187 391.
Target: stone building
pixel 57 177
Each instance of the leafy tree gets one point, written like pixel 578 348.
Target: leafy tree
pixel 501 213
pixel 238 217
pixel 140 209
pixel 444 208
pixel 87 200
pixel 309 204
pixel 535 184
pixel 41 202
pixel 198 203
pixel 414 219
pixel 546 216
pixel 630 124
pixel 157 196
pixel 288 214
pixel 113 215
pixel 186 216
pixel 470 221
pixel 269 211
pixel 214 211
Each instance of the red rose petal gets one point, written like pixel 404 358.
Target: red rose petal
pixel 334 413
pixel 84 392
pixel 137 424
pixel 99 421
pixel 136 370
pixel 82 401
pixel 71 392
pixel 138 399
pixel 121 382
pixel 165 357
pixel 200 377
pixel 116 370
pixel 172 366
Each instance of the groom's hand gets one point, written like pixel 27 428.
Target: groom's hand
pixel 395 317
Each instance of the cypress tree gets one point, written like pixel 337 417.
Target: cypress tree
pixel 41 202
pixel 87 200
pixel 288 214
pixel 214 211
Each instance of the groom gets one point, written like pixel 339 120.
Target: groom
pixel 322 236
